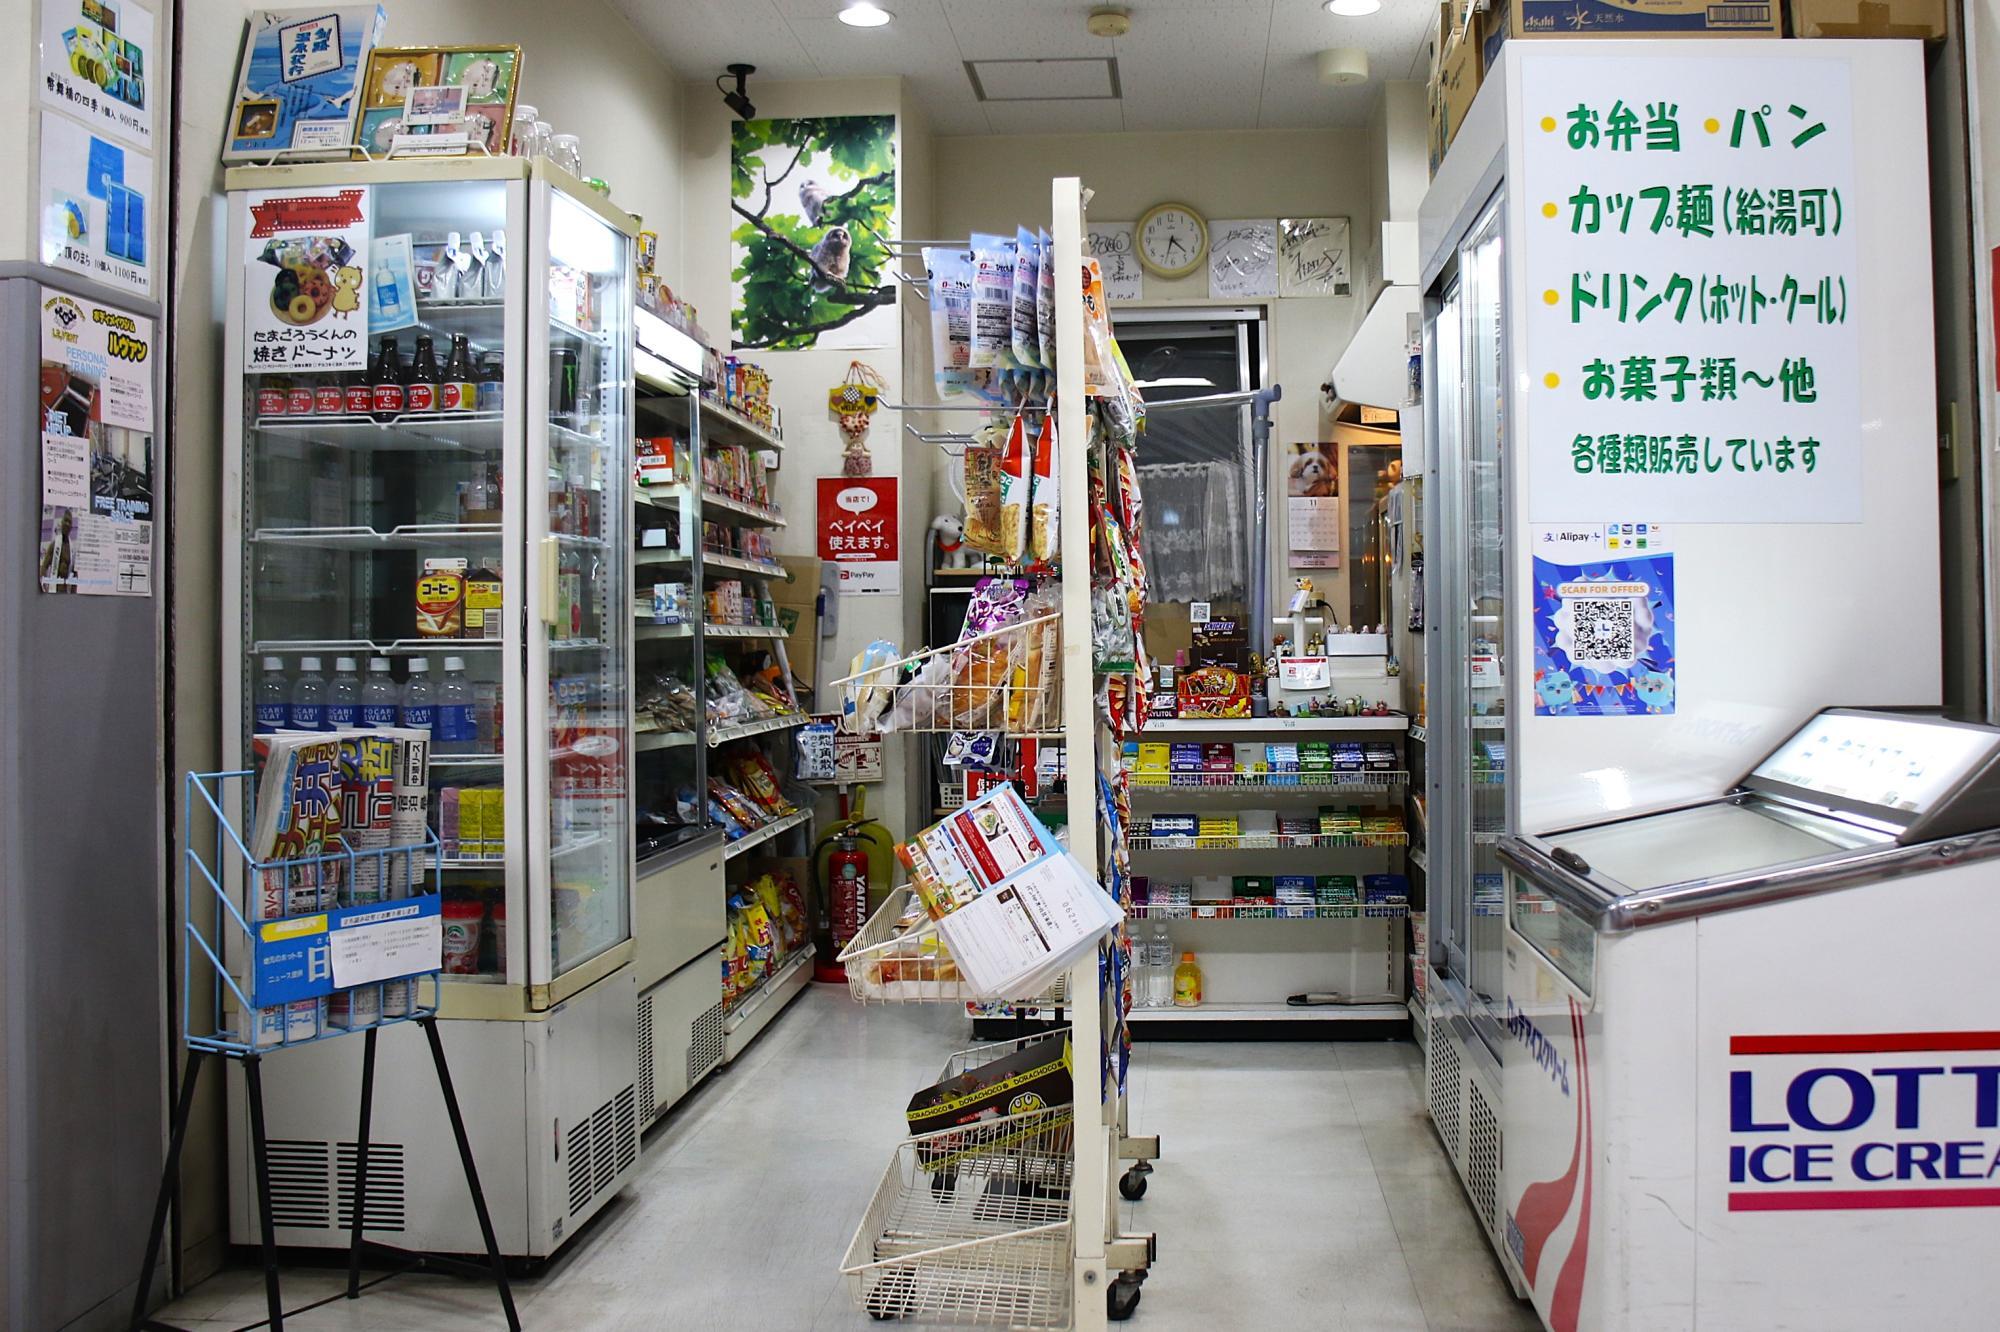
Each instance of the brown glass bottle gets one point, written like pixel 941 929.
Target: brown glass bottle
pixel 387 384
pixel 420 385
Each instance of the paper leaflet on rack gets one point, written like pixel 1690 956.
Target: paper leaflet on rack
pixel 1015 909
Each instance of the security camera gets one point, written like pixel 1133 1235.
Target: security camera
pixel 738 101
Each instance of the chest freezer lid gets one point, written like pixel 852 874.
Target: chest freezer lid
pixel 1916 776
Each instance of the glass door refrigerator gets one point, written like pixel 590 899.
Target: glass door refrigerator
pixel 428 509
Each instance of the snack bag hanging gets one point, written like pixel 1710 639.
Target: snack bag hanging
pixel 982 489
pixel 1016 480
pixel 1045 302
pixel 1099 353
pixel 951 318
pixel 1027 280
pixel 1044 523
pixel 992 302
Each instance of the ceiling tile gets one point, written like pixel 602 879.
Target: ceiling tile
pixel 1055 117
pixel 1194 69
pixel 698 37
pixel 1012 29
pixel 908 46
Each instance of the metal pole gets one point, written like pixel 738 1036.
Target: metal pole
pixel 429 1024
pixel 273 1303
pixel 361 1165
pixel 169 1176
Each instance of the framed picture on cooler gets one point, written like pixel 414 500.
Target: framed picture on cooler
pixel 462 95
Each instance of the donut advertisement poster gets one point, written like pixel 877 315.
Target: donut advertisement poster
pixel 305 265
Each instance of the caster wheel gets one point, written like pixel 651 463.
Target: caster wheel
pixel 1131 1186
pixel 1121 1300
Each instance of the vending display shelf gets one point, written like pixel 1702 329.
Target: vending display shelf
pixel 1290 914
pixel 742 510
pixel 411 536
pixel 720 425
pixel 758 836
pixel 1269 841
pixel 409 432
pixel 650 740
pixel 1280 1012
pixel 722 735
pixel 1264 725
pixel 1280 783
pixel 397 647
pixel 754 1011
pixel 742 631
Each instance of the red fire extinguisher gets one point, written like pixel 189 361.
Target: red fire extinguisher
pixel 847 881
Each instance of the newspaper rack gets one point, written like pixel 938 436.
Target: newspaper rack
pixel 285 965
pixel 970 685
pixel 970 1226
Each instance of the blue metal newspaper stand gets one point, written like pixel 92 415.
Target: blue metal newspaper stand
pixel 274 989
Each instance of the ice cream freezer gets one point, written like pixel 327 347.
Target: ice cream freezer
pixel 1751 1069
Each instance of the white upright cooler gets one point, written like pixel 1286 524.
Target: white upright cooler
pixel 338 513
pixel 1745 1083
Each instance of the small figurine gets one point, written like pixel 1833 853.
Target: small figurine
pixel 1302 594
pixel 1393 669
pixel 948 531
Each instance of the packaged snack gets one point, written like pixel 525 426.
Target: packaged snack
pixel 484 602
pixel 992 302
pixel 1044 532
pixel 738 806
pixel 1027 279
pixel 951 318
pixel 982 491
pixel 1045 302
pixel 754 774
pixel 1016 480
pixel 1099 372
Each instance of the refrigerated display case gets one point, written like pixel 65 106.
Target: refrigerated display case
pixel 1739 562
pixel 471 527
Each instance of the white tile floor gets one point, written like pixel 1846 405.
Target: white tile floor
pixel 1301 1187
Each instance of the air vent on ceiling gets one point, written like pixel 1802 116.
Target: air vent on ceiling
pixel 1063 79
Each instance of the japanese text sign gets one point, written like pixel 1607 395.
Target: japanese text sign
pixel 858 520
pixel 305 258
pixel 1691 295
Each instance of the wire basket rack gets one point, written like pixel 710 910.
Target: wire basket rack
pixel 971 1227
pixel 978 1055
pixel 1001 680
pixel 888 965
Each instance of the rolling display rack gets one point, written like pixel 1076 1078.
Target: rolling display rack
pixel 1013 1222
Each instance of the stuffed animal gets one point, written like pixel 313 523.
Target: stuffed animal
pixel 948 533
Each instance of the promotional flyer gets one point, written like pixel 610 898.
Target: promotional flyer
pixel 1604 621
pixel 96 404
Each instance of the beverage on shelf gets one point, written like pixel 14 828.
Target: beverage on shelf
pixel 420 385
pixel 357 390
pixel 418 707
pixel 1160 968
pixel 459 391
pixel 441 598
pixel 299 398
pixel 274 697
pixel 492 378
pixel 381 700
pixel 455 727
pixel 308 712
pixel 563 387
pixel 273 396
pixel 387 381
pixel 329 395
pixel 485 603
pixel 343 696
pixel 462 921
pixel 1187 983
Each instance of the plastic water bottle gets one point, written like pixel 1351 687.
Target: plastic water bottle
pixel 343 696
pixel 456 728
pixel 380 699
pixel 274 697
pixel 418 710
pixel 1160 968
pixel 309 697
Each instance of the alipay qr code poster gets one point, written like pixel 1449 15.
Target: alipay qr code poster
pixel 1604 620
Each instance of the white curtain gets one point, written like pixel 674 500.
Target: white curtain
pixel 1194 540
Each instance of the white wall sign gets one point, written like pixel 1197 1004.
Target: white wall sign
pixel 1313 256
pixel 1692 299
pixel 1243 259
pixel 98 65
pixel 1110 243
pixel 305 260
pixel 95 203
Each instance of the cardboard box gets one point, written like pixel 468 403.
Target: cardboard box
pixel 1458 82
pixel 796 599
pixel 1624 18
pixel 1923 19
pixel 1035 1077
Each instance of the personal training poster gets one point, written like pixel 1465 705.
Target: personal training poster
pixel 96 404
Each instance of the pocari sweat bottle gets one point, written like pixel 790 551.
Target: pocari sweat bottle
pixel 419 707
pixel 380 699
pixel 309 697
pixel 274 697
pixel 456 728
pixel 343 696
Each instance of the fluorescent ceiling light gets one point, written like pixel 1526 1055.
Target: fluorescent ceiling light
pixel 862 14
pixel 1353 8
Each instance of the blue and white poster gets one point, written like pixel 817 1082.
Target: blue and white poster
pixel 1604 621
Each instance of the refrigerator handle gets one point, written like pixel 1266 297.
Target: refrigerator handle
pixel 551 570
pixel 1570 861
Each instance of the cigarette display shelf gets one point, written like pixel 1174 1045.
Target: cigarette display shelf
pixel 1270 842
pixel 1218 726
pixel 1268 783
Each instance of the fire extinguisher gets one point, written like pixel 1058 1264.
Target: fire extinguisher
pixel 847 886
pixel 852 866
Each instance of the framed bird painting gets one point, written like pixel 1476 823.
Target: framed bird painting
pixel 813 224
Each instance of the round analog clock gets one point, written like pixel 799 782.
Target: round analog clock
pixel 1172 240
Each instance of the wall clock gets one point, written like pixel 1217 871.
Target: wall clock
pixel 1172 240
